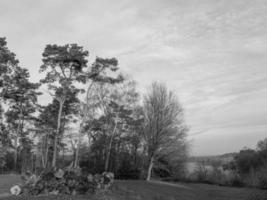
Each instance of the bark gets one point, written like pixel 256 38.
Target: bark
pixel 76 162
pixel 45 149
pixel 61 103
pixel 24 162
pixel 63 158
pixel 109 147
pixel 16 153
pixel 43 154
pixel 149 172
pixel 16 141
pixel 32 162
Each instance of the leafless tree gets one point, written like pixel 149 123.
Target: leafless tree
pixel 164 128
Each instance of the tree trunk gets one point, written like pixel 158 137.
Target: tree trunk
pixel 76 162
pixel 16 153
pixel 16 143
pixel 46 152
pixel 43 149
pixel 32 162
pixel 44 155
pixel 57 133
pixel 63 158
pixel 19 130
pixel 149 172
pixel 24 161
pixel 109 147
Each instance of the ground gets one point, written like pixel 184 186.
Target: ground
pixel 155 190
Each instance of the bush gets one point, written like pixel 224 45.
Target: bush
pixel 256 178
pixel 263 178
pixel 214 175
pixel 128 174
pixel 235 181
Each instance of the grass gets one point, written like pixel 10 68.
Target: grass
pixel 139 190
pixel 6 181
pixel 165 191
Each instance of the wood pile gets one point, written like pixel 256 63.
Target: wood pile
pixel 59 181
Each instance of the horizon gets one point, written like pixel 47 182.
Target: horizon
pixel 212 54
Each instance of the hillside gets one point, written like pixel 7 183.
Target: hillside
pixel 224 158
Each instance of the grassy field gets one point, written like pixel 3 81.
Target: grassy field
pixel 165 191
pixel 138 190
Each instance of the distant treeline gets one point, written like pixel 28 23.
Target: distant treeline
pixel 245 168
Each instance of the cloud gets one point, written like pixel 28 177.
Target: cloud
pixel 212 53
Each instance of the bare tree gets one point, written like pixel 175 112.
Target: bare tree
pixel 164 127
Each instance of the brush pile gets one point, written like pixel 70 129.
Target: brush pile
pixel 58 181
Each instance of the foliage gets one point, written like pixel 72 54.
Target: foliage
pixel 2 156
pixel 63 66
pixel 20 96
pixel 22 99
pixel 7 62
pixel 248 168
pixel 262 145
pixel 251 165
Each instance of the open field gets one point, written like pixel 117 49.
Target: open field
pixel 137 190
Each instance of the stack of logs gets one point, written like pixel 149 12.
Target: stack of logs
pixel 59 181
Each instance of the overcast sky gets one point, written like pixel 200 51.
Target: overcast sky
pixel 212 53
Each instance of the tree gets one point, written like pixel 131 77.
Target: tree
pixel 262 145
pixel 100 73
pixel 113 126
pixel 164 127
pixel 2 156
pixel 4 144
pixel 8 62
pixel 64 66
pixel 46 124
pixel 117 103
pixel 22 100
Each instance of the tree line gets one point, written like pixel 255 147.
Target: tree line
pixel 96 121
pixel 250 166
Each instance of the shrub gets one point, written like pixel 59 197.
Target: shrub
pixel 263 178
pixel 257 178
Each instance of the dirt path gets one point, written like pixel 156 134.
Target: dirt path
pixel 171 184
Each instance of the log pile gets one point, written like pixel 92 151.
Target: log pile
pixel 59 181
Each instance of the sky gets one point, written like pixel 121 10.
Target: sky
pixel 212 53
